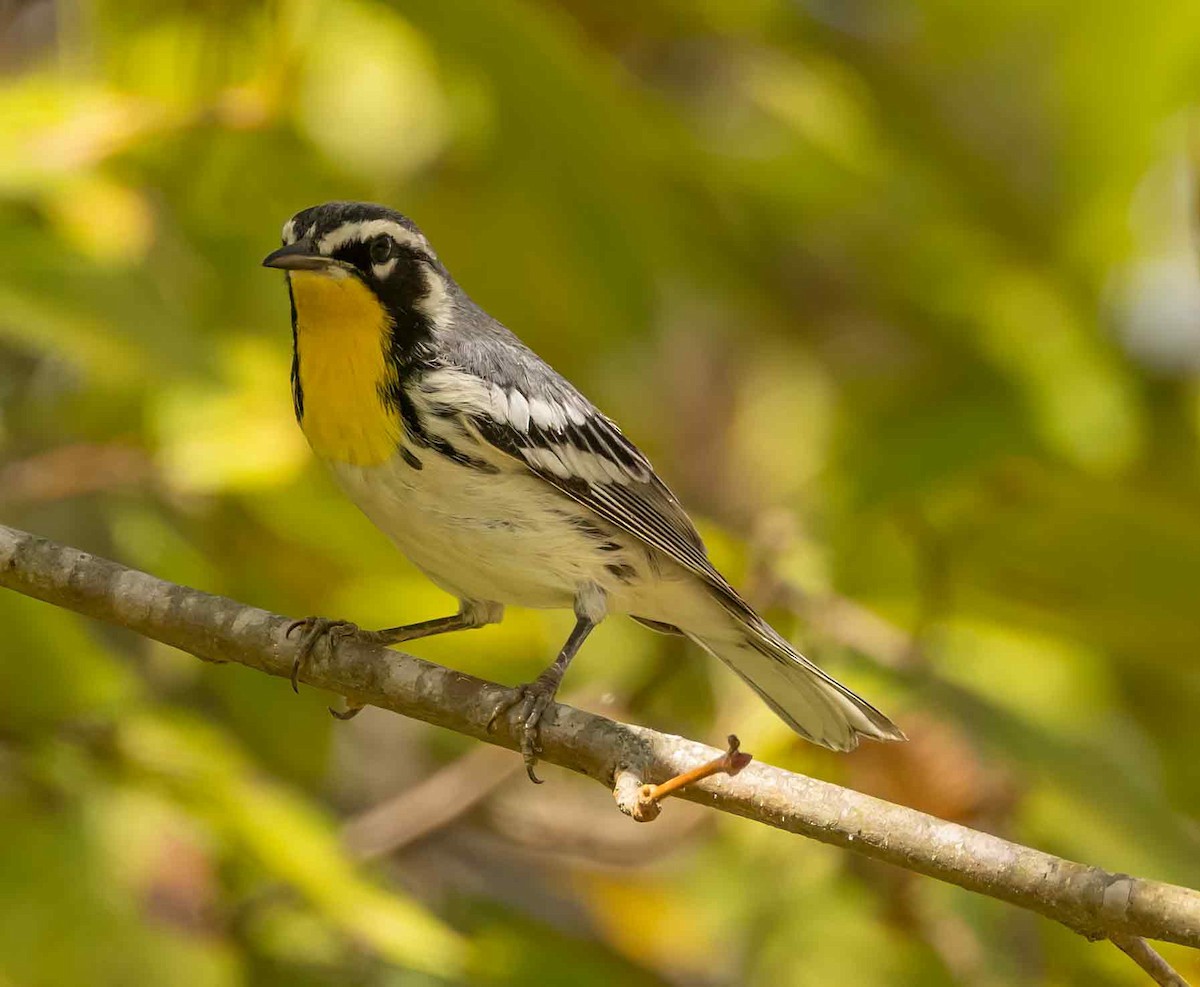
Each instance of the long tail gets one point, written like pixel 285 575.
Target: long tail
pixel 812 703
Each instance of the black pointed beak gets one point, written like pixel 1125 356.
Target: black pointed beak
pixel 299 256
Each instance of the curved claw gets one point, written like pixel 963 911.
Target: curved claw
pixel 534 698
pixel 314 629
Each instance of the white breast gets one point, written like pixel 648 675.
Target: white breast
pixel 504 537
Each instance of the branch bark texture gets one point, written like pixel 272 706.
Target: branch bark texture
pixel 1094 902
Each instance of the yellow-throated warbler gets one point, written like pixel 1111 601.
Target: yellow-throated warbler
pixel 498 479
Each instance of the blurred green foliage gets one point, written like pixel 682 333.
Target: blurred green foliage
pixel 900 295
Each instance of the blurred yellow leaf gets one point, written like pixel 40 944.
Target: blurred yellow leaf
pixel 235 433
pixel 369 96
pixel 288 838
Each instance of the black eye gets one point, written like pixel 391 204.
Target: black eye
pixel 381 249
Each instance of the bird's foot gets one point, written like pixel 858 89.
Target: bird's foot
pixel 312 629
pixel 531 701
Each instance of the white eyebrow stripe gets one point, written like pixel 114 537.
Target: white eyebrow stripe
pixel 289 232
pixel 349 232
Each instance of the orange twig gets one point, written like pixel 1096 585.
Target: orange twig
pixel 730 763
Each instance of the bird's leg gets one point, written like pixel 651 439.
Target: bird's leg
pixel 423 628
pixel 534 698
pixel 471 614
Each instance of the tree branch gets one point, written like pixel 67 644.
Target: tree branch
pixel 1143 954
pixel 1092 901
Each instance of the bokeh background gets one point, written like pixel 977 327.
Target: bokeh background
pixel 901 297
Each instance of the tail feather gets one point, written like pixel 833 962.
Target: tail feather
pixel 812 703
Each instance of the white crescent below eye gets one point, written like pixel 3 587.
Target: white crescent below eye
pixel 381 271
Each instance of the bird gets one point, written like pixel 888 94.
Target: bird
pixel 500 481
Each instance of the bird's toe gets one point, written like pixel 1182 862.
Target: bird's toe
pixel 312 630
pixel 531 702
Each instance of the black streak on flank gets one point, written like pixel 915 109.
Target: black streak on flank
pixel 586 526
pixel 592 530
pixel 395 396
pixel 440 445
pixel 439 409
pixel 626 573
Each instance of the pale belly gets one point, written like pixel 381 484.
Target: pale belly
pixel 504 537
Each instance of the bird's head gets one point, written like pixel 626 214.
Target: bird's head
pixel 376 247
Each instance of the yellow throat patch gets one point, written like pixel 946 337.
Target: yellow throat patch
pixel 341 335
